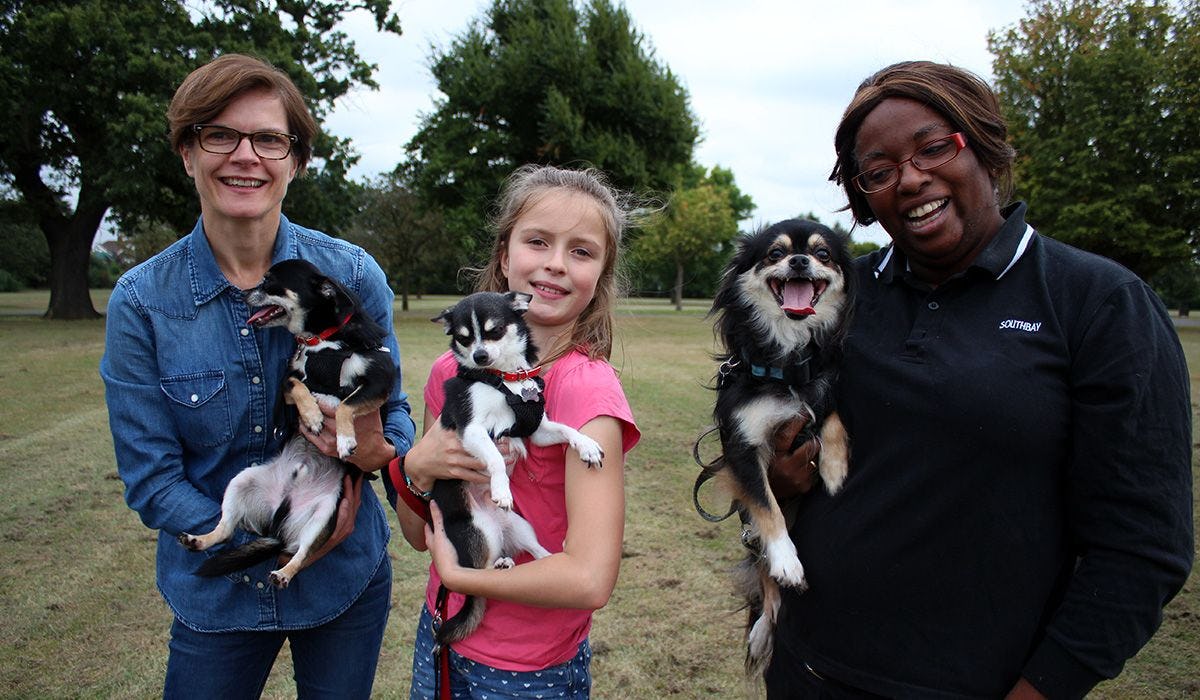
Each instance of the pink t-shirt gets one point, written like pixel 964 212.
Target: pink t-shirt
pixel 517 637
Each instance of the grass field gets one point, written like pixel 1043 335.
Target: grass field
pixel 81 617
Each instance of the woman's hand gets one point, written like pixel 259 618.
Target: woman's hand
pixel 347 512
pixel 793 472
pixel 373 451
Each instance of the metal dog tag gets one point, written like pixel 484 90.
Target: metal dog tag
pixel 529 391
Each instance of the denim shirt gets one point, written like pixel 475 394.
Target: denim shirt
pixel 191 393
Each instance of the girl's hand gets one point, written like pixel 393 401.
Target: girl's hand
pixel 439 454
pixel 445 557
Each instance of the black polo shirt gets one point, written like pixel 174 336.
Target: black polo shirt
pixel 1019 498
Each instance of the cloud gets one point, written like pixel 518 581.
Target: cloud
pixel 768 79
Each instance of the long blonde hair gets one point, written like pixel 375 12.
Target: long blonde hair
pixel 524 188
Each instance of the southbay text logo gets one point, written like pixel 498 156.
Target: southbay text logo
pixel 1026 326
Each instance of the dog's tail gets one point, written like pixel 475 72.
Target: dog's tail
pixel 463 623
pixel 243 557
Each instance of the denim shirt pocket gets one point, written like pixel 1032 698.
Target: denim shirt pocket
pixel 200 405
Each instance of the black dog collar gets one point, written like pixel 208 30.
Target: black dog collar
pixel 795 374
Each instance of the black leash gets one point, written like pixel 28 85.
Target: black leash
pixel 707 471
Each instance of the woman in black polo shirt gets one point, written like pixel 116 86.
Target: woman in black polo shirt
pixel 1018 509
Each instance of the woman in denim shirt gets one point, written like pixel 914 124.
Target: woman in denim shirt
pixel 192 391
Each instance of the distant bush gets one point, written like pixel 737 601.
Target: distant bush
pixel 23 253
pixel 9 282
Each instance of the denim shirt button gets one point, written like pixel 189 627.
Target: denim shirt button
pixel 258 428
pixel 245 579
pixel 255 380
pixel 259 585
pixel 195 398
pixel 245 331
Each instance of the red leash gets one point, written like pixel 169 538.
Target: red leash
pixel 441 655
pixel 420 506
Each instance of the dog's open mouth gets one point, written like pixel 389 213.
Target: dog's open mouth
pixel 797 297
pixel 264 316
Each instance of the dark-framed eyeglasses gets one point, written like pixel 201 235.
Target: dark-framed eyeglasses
pixel 222 140
pixel 929 155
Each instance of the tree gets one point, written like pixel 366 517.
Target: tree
pixel 84 87
pixel 403 237
pixel 697 225
pixel 657 262
pixel 542 81
pixel 1100 100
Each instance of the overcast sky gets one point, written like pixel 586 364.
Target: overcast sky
pixel 768 79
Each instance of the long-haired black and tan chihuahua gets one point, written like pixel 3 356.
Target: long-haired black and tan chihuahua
pixel 781 311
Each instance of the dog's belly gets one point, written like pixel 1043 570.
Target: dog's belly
pixel 300 475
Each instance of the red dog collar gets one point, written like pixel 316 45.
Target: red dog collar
pixel 324 335
pixel 518 376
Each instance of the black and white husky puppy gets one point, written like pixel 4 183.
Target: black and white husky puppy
pixel 781 311
pixel 496 393
pixel 340 360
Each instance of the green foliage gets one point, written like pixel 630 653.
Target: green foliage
pixel 696 232
pixel 144 240
pixel 1178 284
pixel 84 86
pixel 24 257
pixel 545 81
pixel 103 271
pixel 1100 100
pixel 861 248
pixel 406 239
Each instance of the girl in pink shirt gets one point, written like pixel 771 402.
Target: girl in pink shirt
pixel 558 235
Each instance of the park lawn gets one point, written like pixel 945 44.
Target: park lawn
pixel 82 617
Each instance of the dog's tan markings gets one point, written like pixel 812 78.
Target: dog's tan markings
pixel 834 463
pixel 306 404
pixel 816 241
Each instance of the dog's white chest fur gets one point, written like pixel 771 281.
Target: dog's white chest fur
pixel 490 408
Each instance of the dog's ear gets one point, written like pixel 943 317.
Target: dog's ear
pixel 519 301
pixel 444 317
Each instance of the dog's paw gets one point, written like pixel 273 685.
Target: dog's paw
pixel 190 541
pixel 503 501
pixel 589 451
pixel 279 579
pixel 346 444
pixel 785 566
pixel 504 563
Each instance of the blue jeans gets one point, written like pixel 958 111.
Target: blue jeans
pixel 471 679
pixel 335 660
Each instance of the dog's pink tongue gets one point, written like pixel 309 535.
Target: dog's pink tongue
pixel 263 315
pixel 797 297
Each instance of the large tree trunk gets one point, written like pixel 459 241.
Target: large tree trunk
pixel 677 290
pixel 70 243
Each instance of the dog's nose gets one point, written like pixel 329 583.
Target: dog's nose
pixel 481 357
pixel 798 262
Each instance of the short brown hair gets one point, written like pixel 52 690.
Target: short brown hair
pixel 960 96
pixel 209 89
pixel 524 188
